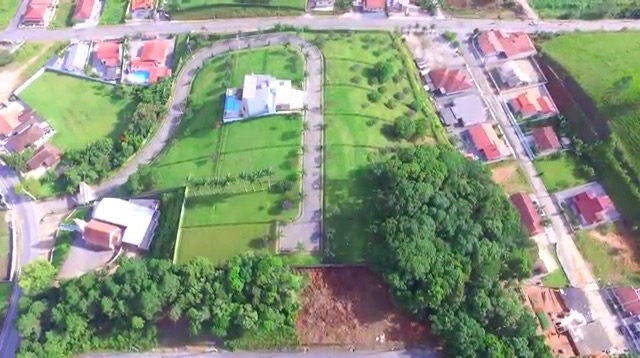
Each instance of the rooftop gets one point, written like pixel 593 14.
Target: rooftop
pixel 101 234
pixel 108 52
pixel 591 207
pixel 374 4
pixel 527 106
pixel 575 299
pixel 629 298
pixel 449 81
pixel 46 156
pixel 467 109
pixel 83 9
pixel 21 141
pixel 138 221
pixel 506 44
pixel 155 51
pixel 486 141
pixel 142 4
pixel 546 138
pixel 529 216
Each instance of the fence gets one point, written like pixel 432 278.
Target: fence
pixel 29 81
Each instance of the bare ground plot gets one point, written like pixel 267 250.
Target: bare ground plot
pixel 494 9
pixel 544 303
pixel 510 177
pixel 612 252
pixel 433 49
pixel 346 307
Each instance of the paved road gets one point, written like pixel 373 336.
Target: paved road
pixel 574 265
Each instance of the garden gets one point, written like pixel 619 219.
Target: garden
pixel 242 176
pixel 203 10
pixel 64 12
pixel 560 171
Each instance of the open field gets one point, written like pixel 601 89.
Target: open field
pixel 583 9
pixel 113 12
pixel 351 307
pixel 543 303
pixel 77 124
pixel 355 129
pixel 480 9
pixel 8 9
pixel 202 10
pixel 611 250
pixel 510 177
pixel 559 172
pixel 221 223
pixel 5 247
pixel 600 99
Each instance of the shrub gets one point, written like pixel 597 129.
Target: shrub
pixel 382 89
pixel 404 127
pixel 371 122
pixel 356 80
pixel 391 104
pixel 6 58
pixel 406 90
pixel 396 78
pixel 373 96
pixel 355 68
pixel 399 96
pixel 415 105
pixel 383 71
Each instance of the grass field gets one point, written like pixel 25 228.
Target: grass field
pixel 64 11
pixel 5 247
pixel 510 177
pixel 211 9
pixel 8 9
pixel 113 12
pixel 355 130
pixel 556 279
pixel 559 172
pixel 220 224
pixel 608 263
pixel 77 123
pixel 582 9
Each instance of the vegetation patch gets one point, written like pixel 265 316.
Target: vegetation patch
pixel 216 9
pixel 560 171
pixel 481 9
pixel 64 12
pixel 5 247
pixel 8 9
pixel 586 9
pixel 6 287
pixel 164 241
pixel 556 279
pixel 64 239
pixel 113 12
pixel 510 176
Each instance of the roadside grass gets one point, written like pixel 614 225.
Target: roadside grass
pixel 218 224
pixel 490 10
pixel 559 172
pixel 581 9
pixel 113 12
pixel 355 131
pixel 6 287
pixel 78 122
pixel 8 9
pixel 36 54
pixel 556 279
pixel 62 245
pixel 606 263
pixel 64 11
pixel 212 9
pixel 5 247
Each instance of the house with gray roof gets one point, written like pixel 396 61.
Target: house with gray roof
pixel 463 111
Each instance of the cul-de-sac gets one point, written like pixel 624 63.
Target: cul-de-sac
pixel 320 178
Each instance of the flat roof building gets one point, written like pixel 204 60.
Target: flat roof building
pixel 464 111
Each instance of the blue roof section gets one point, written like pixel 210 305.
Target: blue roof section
pixel 231 104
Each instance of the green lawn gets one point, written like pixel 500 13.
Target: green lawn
pixel 581 9
pixel 607 264
pixel 221 223
pixel 559 172
pixel 556 279
pixel 355 130
pixel 113 12
pixel 64 11
pixel 78 123
pixel 211 9
pixel 8 9
pixel 5 247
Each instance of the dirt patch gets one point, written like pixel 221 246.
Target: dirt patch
pixel 484 9
pixel 12 76
pixel 433 49
pixel 347 307
pixel 545 301
pixel 622 242
pixel 510 177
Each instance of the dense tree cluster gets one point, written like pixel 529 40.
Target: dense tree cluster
pixel 98 159
pixel 118 311
pixel 448 242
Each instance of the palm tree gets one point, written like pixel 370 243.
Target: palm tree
pixel 269 173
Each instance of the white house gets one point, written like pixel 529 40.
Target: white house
pixel 261 95
pixel 77 57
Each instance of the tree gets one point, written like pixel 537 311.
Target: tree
pixel 445 239
pixel 382 71
pixel 36 277
pixel 404 127
pixel 144 179
pixel 6 58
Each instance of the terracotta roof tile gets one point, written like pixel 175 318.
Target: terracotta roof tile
pixel 101 234
pixel 482 142
pixel 47 156
pixel 546 138
pixel 508 44
pixel 82 11
pixel 451 81
pixel 529 216
pixel 591 207
pixel 21 141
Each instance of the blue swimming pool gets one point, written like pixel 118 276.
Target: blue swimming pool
pixel 138 77
pixel 231 104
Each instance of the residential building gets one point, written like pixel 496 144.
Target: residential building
pixel 527 106
pixel 323 5
pixel 373 5
pixel 77 56
pixel 498 45
pixel 101 234
pixel 546 140
pixel 136 224
pixel 39 13
pixel 574 299
pixel 108 53
pixel 444 81
pixel 397 5
pixel 28 138
pixel 45 157
pixel 150 65
pixel 84 9
pixel 486 142
pixel 137 5
pixel 591 208
pixel 626 299
pixel 10 118
pixel 512 75
pixel 588 338
pixel 261 95
pixel 464 111
pixel 529 216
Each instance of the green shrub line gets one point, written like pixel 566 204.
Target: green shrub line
pixel 544 321
pixel 166 234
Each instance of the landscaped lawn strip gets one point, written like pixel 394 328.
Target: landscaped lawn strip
pixel 78 122
pixel 556 279
pixel 203 10
pixel 235 219
pixel 8 9
pixel 559 172
pixel 5 247
pixel 113 12
pixel 354 131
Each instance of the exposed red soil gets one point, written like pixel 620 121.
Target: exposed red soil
pixel 351 307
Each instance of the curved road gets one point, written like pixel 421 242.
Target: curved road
pixel 306 227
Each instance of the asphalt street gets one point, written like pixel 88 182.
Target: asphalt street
pixel 27 211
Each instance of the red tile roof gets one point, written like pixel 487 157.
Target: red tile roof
pixel 19 142
pixel 629 298
pixel 507 43
pixel 374 4
pixel 482 142
pixel 529 216
pixel 34 13
pixel 101 234
pixel 450 81
pixel 528 108
pixel 46 156
pixel 142 4
pixel 109 53
pixel 591 207
pixel 82 11
pixel 546 138
pixel 155 51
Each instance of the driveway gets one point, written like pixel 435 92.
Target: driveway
pixel 83 259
